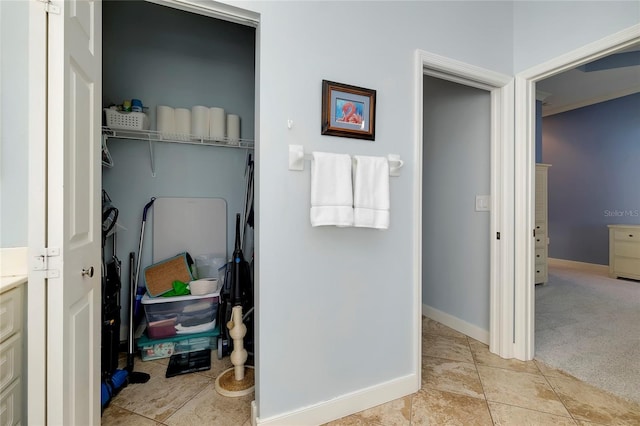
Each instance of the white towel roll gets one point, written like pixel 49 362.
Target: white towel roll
pixel 183 123
pixel 217 127
pixel 233 127
pixel 165 120
pixel 200 121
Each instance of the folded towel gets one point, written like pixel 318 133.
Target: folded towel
pixel 181 329
pixel 371 192
pixel 331 190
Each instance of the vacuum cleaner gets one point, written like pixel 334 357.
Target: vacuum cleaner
pixel 134 306
pixel 237 290
pixel 112 378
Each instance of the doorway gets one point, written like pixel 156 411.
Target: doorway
pixel 56 397
pixel 499 334
pixel 456 171
pixel 525 82
pixel 192 67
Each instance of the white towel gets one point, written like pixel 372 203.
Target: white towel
pixel 371 192
pixel 331 190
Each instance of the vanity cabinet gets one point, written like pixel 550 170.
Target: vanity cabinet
pixel 11 355
pixel 624 251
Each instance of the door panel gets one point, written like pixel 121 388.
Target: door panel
pixel 73 213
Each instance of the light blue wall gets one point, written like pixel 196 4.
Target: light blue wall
pixel 14 116
pixel 456 168
pixel 544 30
pixel 329 296
pixel 168 57
pixel 594 178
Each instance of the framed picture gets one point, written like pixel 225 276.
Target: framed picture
pixel 348 111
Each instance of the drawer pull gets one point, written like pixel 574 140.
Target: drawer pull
pixel 630 235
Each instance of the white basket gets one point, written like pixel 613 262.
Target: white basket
pixel 126 120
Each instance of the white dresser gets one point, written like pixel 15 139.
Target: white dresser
pixel 624 251
pixel 11 353
pixel 541 225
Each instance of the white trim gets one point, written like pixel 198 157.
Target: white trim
pixel 451 68
pixel 588 53
pixel 603 98
pixel 501 321
pixel 345 405
pixel 213 9
pixel 584 266
pixel 501 268
pixel 37 218
pixel 524 160
pixel 456 323
pixel 417 220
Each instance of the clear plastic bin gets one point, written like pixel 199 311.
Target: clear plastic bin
pixel 169 316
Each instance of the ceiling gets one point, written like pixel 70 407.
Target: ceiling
pixel 604 79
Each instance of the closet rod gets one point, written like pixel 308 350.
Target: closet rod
pixel 297 157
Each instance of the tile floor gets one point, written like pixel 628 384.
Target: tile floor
pixel 462 384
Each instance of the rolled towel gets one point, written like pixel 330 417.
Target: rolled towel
pixel 371 192
pixel 331 190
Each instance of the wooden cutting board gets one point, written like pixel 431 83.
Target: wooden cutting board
pixel 195 225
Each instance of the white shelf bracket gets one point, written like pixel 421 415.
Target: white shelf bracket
pixel 152 159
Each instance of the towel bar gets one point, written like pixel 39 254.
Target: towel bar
pixel 297 158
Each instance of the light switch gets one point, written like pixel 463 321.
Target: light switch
pixel 482 203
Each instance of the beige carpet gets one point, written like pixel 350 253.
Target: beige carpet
pixel 588 325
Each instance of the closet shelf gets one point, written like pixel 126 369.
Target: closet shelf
pixel 155 136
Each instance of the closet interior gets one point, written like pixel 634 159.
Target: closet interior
pixel 158 60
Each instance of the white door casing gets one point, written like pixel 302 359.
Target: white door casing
pixel 524 161
pixel 501 88
pixel 36 289
pixel 74 97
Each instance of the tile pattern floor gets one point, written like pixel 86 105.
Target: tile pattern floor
pixel 462 384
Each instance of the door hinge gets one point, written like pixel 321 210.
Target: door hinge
pixel 50 7
pixel 497 235
pixel 41 262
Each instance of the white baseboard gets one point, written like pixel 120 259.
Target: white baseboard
pixel 345 405
pixel 254 413
pixel 579 265
pixel 456 323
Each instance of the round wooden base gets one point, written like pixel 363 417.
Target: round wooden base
pixel 227 385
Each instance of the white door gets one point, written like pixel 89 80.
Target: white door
pixel 74 185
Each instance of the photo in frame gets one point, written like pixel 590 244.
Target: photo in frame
pixel 348 111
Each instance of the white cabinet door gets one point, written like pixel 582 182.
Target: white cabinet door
pixel 73 211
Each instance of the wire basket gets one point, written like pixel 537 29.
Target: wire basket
pixel 126 120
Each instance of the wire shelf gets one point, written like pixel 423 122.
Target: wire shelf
pixel 155 136
pixel 152 136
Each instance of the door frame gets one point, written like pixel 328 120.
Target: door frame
pixel 524 160
pixel 37 217
pixel 501 89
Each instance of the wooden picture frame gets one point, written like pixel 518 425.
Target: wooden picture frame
pixel 348 111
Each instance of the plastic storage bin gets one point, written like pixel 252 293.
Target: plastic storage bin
pixel 126 120
pixel 168 316
pixel 151 349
